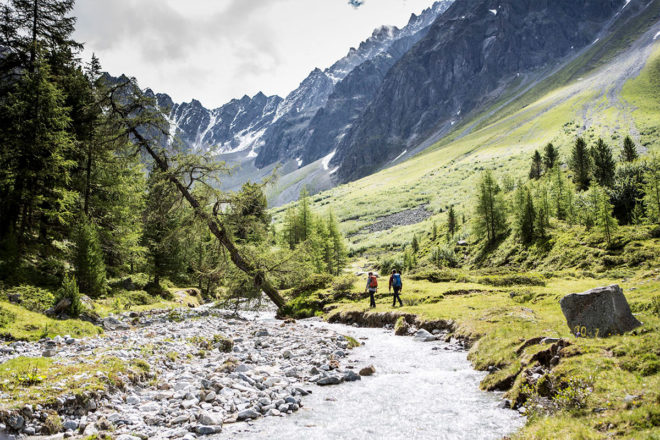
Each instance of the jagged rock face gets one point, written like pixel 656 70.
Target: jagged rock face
pixel 233 127
pixel 312 119
pixel 469 51
pixel 349 99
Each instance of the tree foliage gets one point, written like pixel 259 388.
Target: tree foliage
pixel 580 163
pixel 489 213
pixel 604 165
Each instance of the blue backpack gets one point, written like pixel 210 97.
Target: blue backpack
pixel 396 280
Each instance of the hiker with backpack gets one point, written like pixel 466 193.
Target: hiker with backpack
pixel 372 287
pixel 397 285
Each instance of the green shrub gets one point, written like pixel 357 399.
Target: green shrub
pixel 6 317
pixel 32 298
pixel 388 264
pixel 53 424
pixel 343 284
pixel 69 290
pixel 433 275
pixel 224 344
pixel 574 394
pixel 315 282
pixel 513 280
pixel 444 256
pixel 139 298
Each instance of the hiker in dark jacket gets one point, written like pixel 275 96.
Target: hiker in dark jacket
pixel 372 287
pixel 397 285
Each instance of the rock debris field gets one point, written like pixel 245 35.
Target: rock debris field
pixel 205 369
pixel 403 218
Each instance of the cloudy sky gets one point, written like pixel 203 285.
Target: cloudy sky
pixel 216 50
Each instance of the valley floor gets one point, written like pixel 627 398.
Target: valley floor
pixel 601 387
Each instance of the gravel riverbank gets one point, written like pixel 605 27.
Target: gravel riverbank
pixel 197 381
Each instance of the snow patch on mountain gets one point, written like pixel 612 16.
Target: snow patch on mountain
pixel 327 159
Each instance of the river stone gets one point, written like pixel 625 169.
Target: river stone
pixel 368 371
pixel 424 336
pixel 603 311
pixel 210 419
pixel 208 430
pixel 16 421
pixel 351 376
pixel 70 425
pixel 329 380
pixel 248 414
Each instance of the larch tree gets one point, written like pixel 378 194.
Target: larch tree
pixel 489 212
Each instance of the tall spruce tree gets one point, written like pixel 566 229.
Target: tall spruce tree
pixel 604 165
pixel 46 27
pixel 629 153
pixel 537 166
pixel 35 146
pixel 580 163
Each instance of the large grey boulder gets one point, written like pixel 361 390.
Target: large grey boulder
pixel 602 311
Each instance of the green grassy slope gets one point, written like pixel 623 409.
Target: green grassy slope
pixel 611 102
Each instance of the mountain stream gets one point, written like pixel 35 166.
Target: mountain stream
pixel 421 390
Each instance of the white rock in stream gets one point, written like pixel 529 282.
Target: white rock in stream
pixel 424 336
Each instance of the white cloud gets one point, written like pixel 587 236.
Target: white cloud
pixel 216 50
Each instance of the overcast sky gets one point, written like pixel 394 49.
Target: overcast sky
pixel 216 50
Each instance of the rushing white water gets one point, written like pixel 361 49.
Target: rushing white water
pixel 421 390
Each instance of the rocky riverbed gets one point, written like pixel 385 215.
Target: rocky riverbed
pixel 203 369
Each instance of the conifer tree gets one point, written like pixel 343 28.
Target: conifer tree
pixel 537 166
pixel 339 254
pixel 628 190
pixel 434 231
pixel 69 291
pixel 580 163
pixel 629 153
pixel 559 194
pixel 88 259
pixel 542 211
pixel 603 210
pixel 161 229
pixel 652 190
pixel 525 215
pixel 489 212
pixel 451 222
pixel 305 219
pixel 604 165
pixel 415 244
pixel 550 156
pixel 35 147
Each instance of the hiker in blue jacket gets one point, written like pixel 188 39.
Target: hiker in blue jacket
pixel 397 285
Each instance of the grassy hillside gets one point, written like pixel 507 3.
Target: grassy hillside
pixel 504 295
pixel 615 100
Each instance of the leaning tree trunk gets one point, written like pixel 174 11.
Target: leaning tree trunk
pixel 216 227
